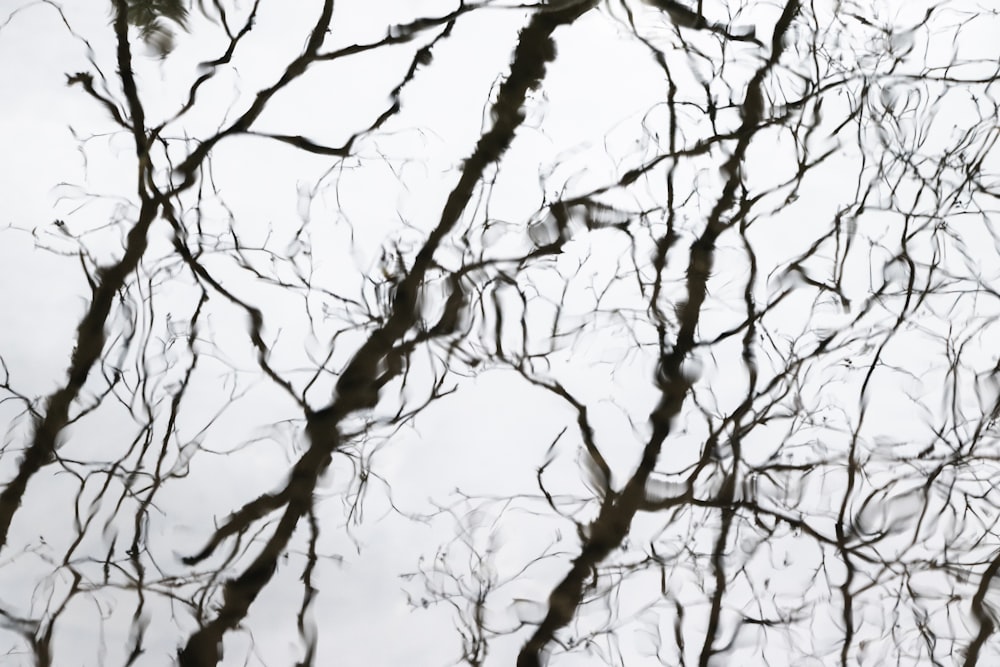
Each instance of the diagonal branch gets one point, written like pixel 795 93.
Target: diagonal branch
pixel 358 386
pixel 614 520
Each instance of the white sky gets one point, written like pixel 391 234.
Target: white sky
pixel 489 438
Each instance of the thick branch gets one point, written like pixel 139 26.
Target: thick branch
pixel 359 384
pixel 617 512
